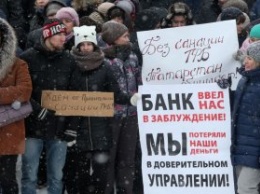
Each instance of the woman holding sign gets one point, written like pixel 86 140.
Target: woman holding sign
pixel 246 124
pixel 92 136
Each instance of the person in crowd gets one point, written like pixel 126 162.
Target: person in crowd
pixel 240 4
pixel 117 14
pixel 245 124
pixel 254 35
pixel 50 67
pixel 126 69
pixel 15 85
pixel 94 136
pixel 38 18
pixel 255 10
pixel 147 19
pixel 15 16
pixel 209 12
pixel 179 15
pixel 131 9
pixel 49 11
pixel 87 21
pixel 103 9
pixel 70 19
pixel 231 13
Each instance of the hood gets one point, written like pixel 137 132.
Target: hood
pixel 8 44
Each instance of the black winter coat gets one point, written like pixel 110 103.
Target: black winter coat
pixel 94 133
pixel 49 71
pixel 246 121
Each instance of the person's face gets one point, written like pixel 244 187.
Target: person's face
pixel 69 24
pixel 41 3
pixel 240 28
pixel 86 47
pixel 249 63
pixel 221 2
pixel 178 21
pixel 56 42
pixel 122 40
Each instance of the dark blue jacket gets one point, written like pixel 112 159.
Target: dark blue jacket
pixel 245 148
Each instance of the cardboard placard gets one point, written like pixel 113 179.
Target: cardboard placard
pixel 74 103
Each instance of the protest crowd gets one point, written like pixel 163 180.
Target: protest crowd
pixel 92 46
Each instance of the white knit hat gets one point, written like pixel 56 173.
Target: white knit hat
pixel 85 33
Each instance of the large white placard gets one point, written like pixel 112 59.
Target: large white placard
pixel 185 139
pixel 190 54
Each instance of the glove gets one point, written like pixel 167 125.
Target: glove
pixel 45 113
pixel 134 99
pixel 239 56
pixel 70 137
pixel 224 83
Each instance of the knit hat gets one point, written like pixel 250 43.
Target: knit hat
pixel 52 7
pixel 127 5
pixel 97 17
pixel 111 31
pixel 230 13
pixel 104 7
pixel 254 51
pixel 85 33
pixel 255 31
pixel 68 13
pixel 52 27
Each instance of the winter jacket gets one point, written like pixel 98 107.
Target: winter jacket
pixel 50 70
pixel 15 84
pixel 126 69
pixel 246 120
pixel 93 74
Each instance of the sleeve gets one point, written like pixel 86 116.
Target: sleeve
pixel 119 96
pixel 22 89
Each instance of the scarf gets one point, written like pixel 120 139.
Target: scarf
pixel 88 61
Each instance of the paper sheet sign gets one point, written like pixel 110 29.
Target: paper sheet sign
pixel 71 103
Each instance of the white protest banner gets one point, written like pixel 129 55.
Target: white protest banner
pixel 185 139
pixel 190 54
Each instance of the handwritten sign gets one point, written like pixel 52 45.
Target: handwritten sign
pixel 190 54
pixel 71 103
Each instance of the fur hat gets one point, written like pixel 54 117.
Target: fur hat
pixel 230 13
pixel 85 33
pixel 52 27
pixel 104 7
pixel 255 31
pixel 254 51
pixel 68 13
pixel 111 31
pixel 52 7
pixel 240 4
pixel 97 17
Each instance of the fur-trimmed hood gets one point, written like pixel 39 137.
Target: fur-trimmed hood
pixel 8 44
